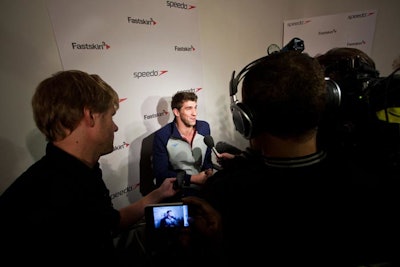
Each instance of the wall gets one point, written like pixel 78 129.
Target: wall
pixel 233 33
pixel 236 32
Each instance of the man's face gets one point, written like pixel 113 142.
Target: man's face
pixel 105 129
pixel 188 113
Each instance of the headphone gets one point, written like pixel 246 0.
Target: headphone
pixel 244 118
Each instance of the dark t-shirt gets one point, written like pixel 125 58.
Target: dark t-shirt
pixel 309 211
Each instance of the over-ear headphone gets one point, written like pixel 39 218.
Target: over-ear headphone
pixel 245 119
pixel 353 74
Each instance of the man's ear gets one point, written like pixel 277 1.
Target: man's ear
pixel 88 117
pixel 176 112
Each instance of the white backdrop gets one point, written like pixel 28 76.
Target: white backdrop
pixel 147 51
pixel 353 29
pixel 232 34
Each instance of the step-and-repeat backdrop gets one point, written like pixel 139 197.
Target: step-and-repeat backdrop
pixel 147 51
pixel 354 29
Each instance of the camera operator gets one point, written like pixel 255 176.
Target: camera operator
pixel 364 127
pixel 195 245
pixel 285 201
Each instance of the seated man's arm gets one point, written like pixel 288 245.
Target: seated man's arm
pixel 160 160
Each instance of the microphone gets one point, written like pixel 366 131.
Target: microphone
pixel 209 141
pixel 225 147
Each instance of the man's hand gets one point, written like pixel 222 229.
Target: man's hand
pixel 205 219
pixel 202 177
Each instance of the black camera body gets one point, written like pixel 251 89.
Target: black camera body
pixel 366 126
pixel 166 224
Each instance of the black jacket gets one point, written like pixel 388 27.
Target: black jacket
pixel 309 211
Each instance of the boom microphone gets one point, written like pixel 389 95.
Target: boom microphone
pixel 209 141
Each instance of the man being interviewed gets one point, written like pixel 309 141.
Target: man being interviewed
pixel 179 146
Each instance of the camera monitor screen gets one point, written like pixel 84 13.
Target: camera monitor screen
pixel 170 215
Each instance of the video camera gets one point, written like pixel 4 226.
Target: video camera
pixel 366 126
pixel 362 118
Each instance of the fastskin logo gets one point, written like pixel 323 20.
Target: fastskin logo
pixel 121 146
pixel 298 23
pixel 327 32
pixel 148 74
pixel 149 22
pixel 93 46
pixel 156 115
pixel 184 48
pixel 359 43
pixel 172 4
pixel 360 15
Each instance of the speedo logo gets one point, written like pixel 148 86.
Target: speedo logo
pixel 298 23
pixel 360 15
pixel 172 4
pixel 91 46
pixel 124 191
pixel 191 90
pixel 148 74
pixel 149 22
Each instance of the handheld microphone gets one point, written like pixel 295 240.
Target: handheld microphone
pixel 225 147
pixel 209 141
pixel 180 175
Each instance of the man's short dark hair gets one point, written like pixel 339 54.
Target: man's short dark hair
pixel 287 92
pixel 179 98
